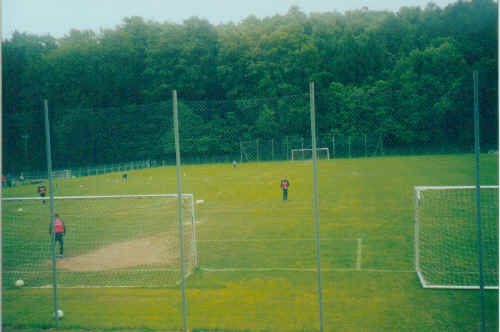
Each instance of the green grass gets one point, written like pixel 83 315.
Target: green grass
pixel 257 253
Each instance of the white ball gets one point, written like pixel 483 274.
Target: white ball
pixel 60 313
pixel 20 210
pixel 200 201
pixel 19 283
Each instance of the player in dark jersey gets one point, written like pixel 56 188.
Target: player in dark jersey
pixel 284 185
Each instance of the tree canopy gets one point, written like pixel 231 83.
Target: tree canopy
pixel 405 75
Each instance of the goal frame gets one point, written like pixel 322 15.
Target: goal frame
pixel 423 282
pixel 194 248
pixel 317 150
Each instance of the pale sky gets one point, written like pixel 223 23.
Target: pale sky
pixel 58 17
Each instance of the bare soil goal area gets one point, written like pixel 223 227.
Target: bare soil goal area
pixel 160 250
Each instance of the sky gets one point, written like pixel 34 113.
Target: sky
pixel 58 17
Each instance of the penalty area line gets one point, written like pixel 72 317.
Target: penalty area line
pixel 358 255
pixel 271 269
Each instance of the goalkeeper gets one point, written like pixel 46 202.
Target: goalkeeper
pixel 60 231
pixel 284 185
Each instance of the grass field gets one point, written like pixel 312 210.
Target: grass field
pixel 257 258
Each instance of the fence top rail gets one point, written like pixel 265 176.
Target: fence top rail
pixel 95 197
pixel 422 188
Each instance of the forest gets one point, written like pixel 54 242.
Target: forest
pixel 405 76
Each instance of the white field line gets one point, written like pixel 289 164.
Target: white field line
pixel 358 255
pixel 95 286
pixel 257 269
pixel 272 240
pixel 208 269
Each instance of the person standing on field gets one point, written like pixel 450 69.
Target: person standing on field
pixel 42 191
pixel 284 185
pixel 59 231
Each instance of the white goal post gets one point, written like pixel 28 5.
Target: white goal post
pixel 446 247
pixel 301 154
pixel 110 241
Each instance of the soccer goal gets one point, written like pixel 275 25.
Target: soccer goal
pixel 110 241
pixel 446 246
pixel 303 154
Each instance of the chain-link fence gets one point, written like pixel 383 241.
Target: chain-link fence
pixel 92 141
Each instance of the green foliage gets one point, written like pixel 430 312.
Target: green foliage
pixel 405 75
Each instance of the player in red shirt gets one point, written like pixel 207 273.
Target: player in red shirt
pixel 284 185
pixel 42 191
pixel 60 231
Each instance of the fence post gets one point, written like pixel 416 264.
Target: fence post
pixel 333 146
pixel 272 148
pixel 349 146
pixel 257 144
pixel 287 148
pixel 478 202
pixel 52 212
pixel 366 154
pixel 302 144
pixel 241 152
pixel 179 205
pixel 316 203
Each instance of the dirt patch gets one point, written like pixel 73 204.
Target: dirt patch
pixel 152 251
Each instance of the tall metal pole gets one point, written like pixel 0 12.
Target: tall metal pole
pixel 179 206
pixel 52 213
pixel 478 201
pixel 316 215
pixel 366 151
pixel 257 145
pixel 286 151
pixel 25 137
pixel 302 145
pixel 272 148
pixel 349 146
pixel 333 146
pixel 1 153
pixel 241 153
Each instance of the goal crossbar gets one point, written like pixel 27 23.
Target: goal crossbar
pixel 327 150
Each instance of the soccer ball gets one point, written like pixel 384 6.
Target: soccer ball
pixel 20 210
pixel 19 283
pixel 200 201
pixel 60 313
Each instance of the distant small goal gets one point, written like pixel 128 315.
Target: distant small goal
pixel 306 154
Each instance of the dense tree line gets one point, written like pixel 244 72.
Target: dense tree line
pixel 405 75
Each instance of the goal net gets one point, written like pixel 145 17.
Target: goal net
pixel 446 244
pixel 110 241
pixel 304 154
